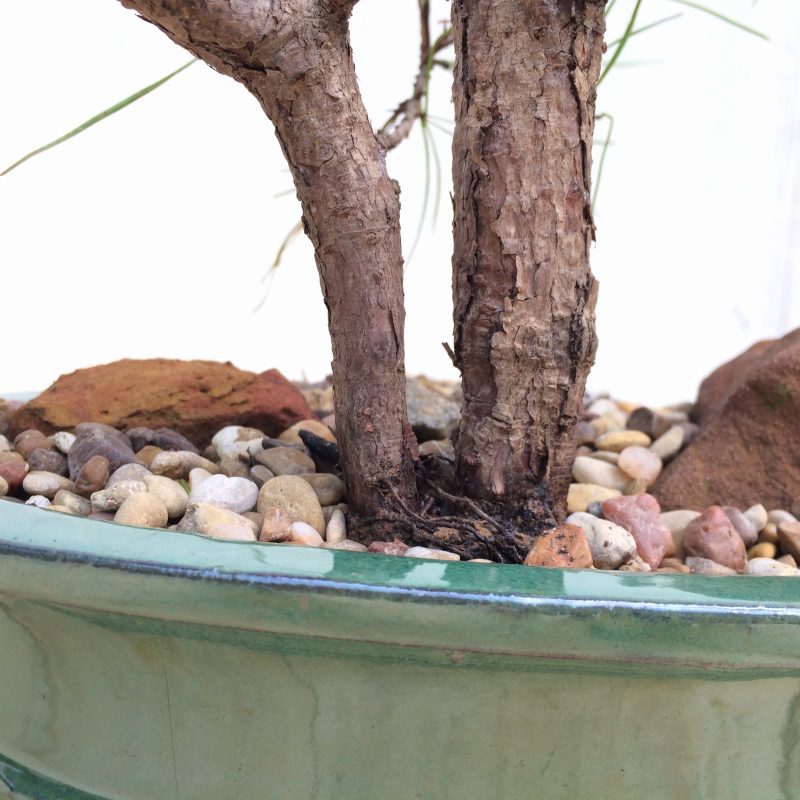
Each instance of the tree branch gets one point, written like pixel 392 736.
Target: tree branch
pixel 402 119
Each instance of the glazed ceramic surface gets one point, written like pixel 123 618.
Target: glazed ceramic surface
pixel 144 664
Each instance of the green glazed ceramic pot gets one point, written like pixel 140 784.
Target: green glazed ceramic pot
pixel 141 664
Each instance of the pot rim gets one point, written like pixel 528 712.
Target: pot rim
pixel 733 624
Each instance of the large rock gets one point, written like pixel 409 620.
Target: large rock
pixel 746 452
pixel 194 398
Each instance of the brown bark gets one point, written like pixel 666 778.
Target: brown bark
pixel 294 56
pixel 524 92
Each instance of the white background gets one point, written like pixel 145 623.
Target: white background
pixel 150 234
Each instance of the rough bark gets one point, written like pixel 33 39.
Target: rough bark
pixel 294 56
pixel 524 92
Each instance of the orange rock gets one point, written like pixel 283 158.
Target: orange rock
pixel 564 546
pixel 195 398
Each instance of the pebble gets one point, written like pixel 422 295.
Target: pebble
pixel 563 546
pixel 636 486
pixel 582 495
pixel 787 559
pixel 640 463
pixel 296 497
pixel 3 487
pixel 602 455
pixel 142 509
pixel 303 533
pixel 147 454
pixel 712 536
pixel 44 460
pixel 603 405
pixel 179 463
pixel 394 548
pixel 128 472
pixel 676 564
pixel 111 499
pixel 770 567
pixel 28 441
pixel 257 518
pixel 429 552
pixel 13 471
pixel 778 515
pixel 275 526
pixel 259 474
pixel 46 483
pixel 609 422
pixel 762 550
pixel 328 488
pixel 219 523
pixel 617 441
pixel 757 515
pixel 169 492
pixel 235 467
pixel 636 564
pixel 101 516
pixel 163 438
pixel 95 439
pixel 705 566
pixel 789 538
pixel 641 516
pixel 743 526
pixel 292 433
pixel 440 448
pixel 60 509
pixel 232 440
pixel 669 444
pixel 677 522
pixel 38 500
pixel 286 461
pixel 610 544
pixel 585 433
pixel 235 494
pixel 62 441
pixel 336 528
pixel 92 476
pixel 5 445
pixel 769 533
pixel 77 504
pixel 345 544
pixel 590 470
pixel 196 477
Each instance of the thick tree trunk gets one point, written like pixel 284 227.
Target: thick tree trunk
pixel 295 57
pixel 524 92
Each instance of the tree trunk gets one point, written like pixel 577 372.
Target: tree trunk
pixel 295 58
pixel 524 92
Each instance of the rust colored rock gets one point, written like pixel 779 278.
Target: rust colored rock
pixel 712 536
pixel 639 514
pixel 194 398
pixel 564 546
pixel 743 455
pixel 14 472
pixel 394 548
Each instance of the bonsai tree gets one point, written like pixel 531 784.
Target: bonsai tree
pixel 524 89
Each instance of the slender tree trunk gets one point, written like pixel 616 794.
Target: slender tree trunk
pixel 524 92
pixel 295 57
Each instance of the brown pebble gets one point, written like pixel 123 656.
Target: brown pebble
pixel 147 454
pixel 28 441
pixel 762 550
pixel 769 533
pixel 563 546
pixel 92 476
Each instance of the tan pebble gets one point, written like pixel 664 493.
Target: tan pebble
pixel 582 495
pixel 148 453
pixel 3 487
pixel 640 463
pixel 669 444
pixel 762 550
pixel 127 472
pixel 769 533
pixel 336 529
pixel 219 523
pixel 328 488
pixel 609 456
pixel 636 486
pixel 303 533
pixel 636 564
pixel 45 483
pixel 179 463
pixel 778 515
pixel 345 544
pixel 428 552
pixel 585 450
pixel 295 496
pixel 170 492
pixel 292 434
pixel 60 509
pixel 675 564
pixel 79 505
pixel 276 525
pixel 142 509
pixel 677 521
pixel 327 511
pixel 789 538
pixel 590 470
pixel 768 567
pixel 757 515
pixel 617 441
pixel 789 560
pixel 101 516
